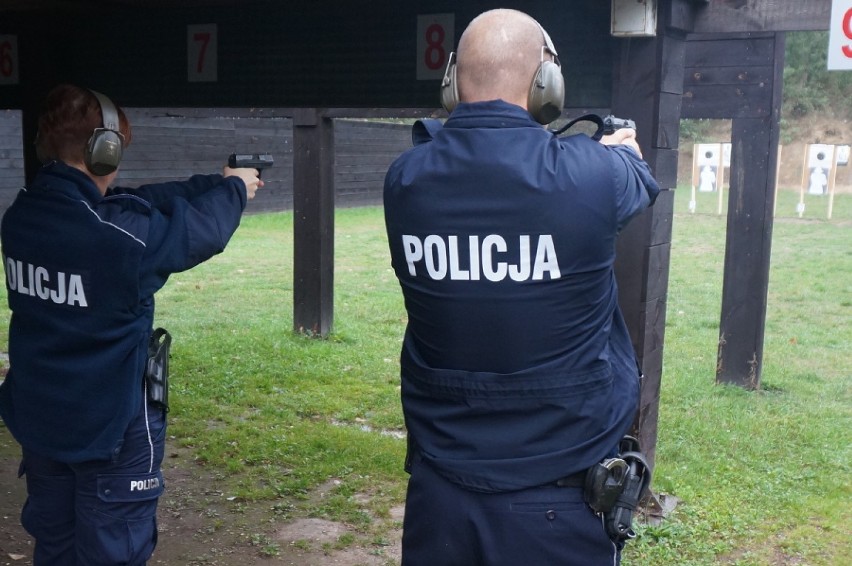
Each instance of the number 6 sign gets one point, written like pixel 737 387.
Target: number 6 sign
pixel 202 59
pixel 8 60
pixel 840 36
pixel 434 44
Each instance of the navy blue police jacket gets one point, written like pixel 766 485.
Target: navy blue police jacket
pixel 516 365
pixel 81 273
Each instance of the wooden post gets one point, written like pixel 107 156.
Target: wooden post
pixel 648 84
pixel 832 180
pixel 313 222
pixel 749 237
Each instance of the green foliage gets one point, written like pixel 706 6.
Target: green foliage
pixel 808 85
pixel 694 131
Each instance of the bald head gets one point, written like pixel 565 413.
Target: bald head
pixel 498 55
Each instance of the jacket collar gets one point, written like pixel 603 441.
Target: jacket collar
pixel 490 114
pixel 60 177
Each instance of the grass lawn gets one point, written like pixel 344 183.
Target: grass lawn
pixel 762 477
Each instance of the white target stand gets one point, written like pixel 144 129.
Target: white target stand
pixel 708 171
pixel 819 173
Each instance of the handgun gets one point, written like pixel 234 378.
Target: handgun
pixel 252 160
pixel 611 123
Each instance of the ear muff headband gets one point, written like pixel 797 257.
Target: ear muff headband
pixel 547 91
pixel 103 151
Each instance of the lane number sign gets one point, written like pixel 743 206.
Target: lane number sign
pixel 8 59
pixel 202 57
pixel 840 36
pixel 434 44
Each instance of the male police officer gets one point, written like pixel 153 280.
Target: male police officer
pixel 517 370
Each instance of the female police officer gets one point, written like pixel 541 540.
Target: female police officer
pixel 82 263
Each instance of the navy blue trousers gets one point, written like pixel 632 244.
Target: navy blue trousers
pixel 99 512
pixel 447 525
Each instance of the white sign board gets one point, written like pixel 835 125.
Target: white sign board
pixel 435 42
pixel 202 57
pixel 8 59
pixel 840 36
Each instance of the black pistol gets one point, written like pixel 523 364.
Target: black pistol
pixel 611 123
pixel 252 160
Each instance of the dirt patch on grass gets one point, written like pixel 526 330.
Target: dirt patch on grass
pixel 200 526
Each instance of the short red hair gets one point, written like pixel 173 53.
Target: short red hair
pixel 69 116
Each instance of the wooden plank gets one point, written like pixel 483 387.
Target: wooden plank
pixel 313 214
pixel 745 50
pixel 762 15
pixel 748 241
pixel 701 76
pixel 727 101
pixel 643 248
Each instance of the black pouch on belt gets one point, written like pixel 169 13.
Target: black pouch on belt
pixel 157 368
pixel 615 486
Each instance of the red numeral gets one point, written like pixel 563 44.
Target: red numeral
pixel 6 62
pixel 202 37
pixel 847 31
pixel 434 56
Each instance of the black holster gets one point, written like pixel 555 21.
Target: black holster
pixel 615 486
pixel 157 368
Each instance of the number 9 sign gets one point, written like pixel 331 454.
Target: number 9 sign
pixel 434 44
pixel 8 60
pixel 840 36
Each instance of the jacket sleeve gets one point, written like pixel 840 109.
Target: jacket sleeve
pixel 636 188
pixel 187 230
pixel 161 193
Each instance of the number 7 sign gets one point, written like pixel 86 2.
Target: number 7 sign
pixel 840 36
pixel 202 58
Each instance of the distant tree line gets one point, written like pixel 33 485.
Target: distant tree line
pixel 808 86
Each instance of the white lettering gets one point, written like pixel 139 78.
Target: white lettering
pixel 473 242
pixel 522 272
pixel 434 248
pixel 456 273
pixel 76 294
pixel 499 244
pixel 413 252
pixel 41 278
pixel 545 259
pixel 58 295
pixel 22 288
pixel 39 281
pixel 11 274
pixel 144 485
pixel 443 255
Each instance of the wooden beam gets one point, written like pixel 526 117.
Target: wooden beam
pixel 762 15
pixel 648 83
pixel 728 76
pixel 749 237
pixel 313 222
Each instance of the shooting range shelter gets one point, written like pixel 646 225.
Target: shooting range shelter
pixel 316 62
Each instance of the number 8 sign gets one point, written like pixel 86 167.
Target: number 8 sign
pixel 840 36
pixel 434 44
